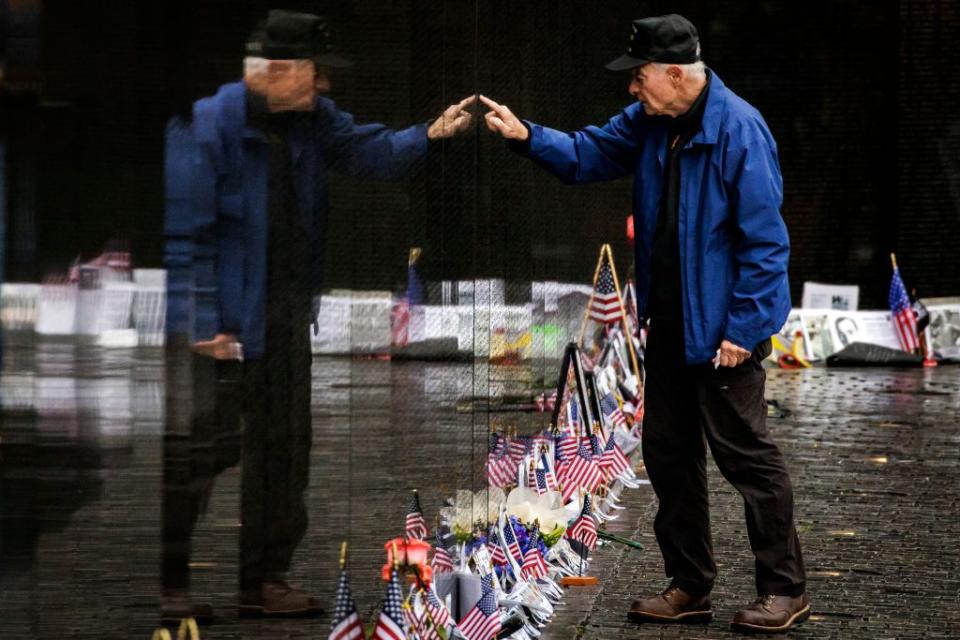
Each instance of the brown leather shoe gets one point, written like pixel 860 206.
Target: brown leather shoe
pixel 673 605
pixel 277 599
pixel 772 614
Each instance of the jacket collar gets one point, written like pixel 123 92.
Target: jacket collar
pixel 713 113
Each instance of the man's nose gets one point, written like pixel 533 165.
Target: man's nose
pixel 634 89
pixel 321 83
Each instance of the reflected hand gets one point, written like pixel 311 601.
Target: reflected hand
pixel 501 120
pixel 730 355
pixel 455 119
pixel 224 346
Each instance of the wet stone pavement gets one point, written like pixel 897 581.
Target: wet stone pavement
pixel 874 456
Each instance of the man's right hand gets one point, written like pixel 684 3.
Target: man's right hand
pixel 224 346
pixel 501 120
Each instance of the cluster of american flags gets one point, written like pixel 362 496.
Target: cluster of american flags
pixel 579 458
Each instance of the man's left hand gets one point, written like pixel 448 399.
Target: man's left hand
pixel 730 355
pixel 455 119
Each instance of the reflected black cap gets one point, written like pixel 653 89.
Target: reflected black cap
pixel 287 35
pixel 671 39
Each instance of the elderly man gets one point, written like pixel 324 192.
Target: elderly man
pixel 711 264
pixel 246 193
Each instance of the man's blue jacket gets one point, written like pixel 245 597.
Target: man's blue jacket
pixel 733 242
pixel 216 194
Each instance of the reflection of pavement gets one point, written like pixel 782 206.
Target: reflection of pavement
pixel 95 573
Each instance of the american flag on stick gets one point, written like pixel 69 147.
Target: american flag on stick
pixel 439 617
pixel 534 566
pixel 482 622
pixel 613 461
pixel 605 303
pixel 585 527
pixel 610 408
pixel 442 561
pixel 510 539
pixel 346 624
pixel 416 528
pixel 583 472
pixel 904 320
pixel 391 625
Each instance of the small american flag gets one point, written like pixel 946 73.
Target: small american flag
pixel 517 448
pixel 501 470
pixel 583 472
pixel 904 320
pixel 391 624
pixel 346 623
pixel 440 614
pixel 497 556
pixel 613 462
pixel 442 561
pixel 549 476
pixel 585 527
pixel 534 566
pixel 566 446
pixel 416 528
pixel 605 305
pixel 610 408
pixel 510 539
pixel 483 620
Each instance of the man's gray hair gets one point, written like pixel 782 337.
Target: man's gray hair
pixel 694 69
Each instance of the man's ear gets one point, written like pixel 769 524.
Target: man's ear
pixel 675 73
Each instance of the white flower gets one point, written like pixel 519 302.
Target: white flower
pixel 527 506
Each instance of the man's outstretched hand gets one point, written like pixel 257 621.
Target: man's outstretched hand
pixel 501 120
pixel 455 119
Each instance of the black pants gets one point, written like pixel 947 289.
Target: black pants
pixel 202 438
pixel 727 405
pixel 276 454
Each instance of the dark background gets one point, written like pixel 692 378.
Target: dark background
pixel 861 97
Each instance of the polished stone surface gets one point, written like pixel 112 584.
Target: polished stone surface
pixel 874 454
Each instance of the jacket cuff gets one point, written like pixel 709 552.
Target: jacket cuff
pixel 523 147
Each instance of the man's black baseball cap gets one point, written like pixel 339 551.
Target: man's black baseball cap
pixel 287 35
pixel 672 39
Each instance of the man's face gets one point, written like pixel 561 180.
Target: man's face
pixel 656 88
pixel 289 85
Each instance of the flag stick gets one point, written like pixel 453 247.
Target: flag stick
pixel 623 314
pixel 593 292
pixel 343 554
pixel 893 261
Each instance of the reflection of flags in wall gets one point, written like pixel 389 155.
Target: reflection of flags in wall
pixel 346 623
pixel 416 528
pixel 605 304
pixel 904 320
pixel 400 323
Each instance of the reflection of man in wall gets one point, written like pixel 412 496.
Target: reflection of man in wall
pixel 711 252
pixel 245 236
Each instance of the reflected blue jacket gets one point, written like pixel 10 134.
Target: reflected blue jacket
pixel 733 242
pixel 216 195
